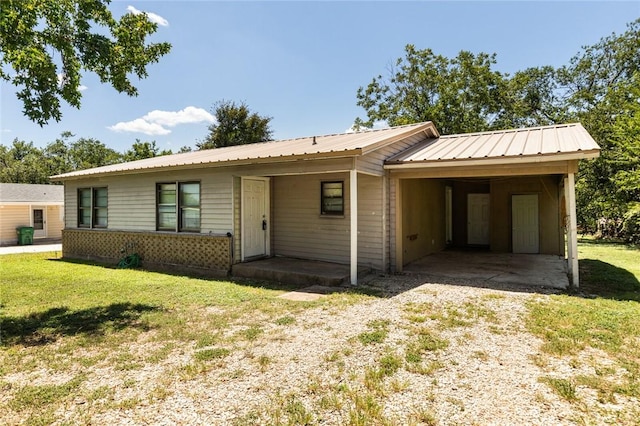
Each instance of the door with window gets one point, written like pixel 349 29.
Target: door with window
pixel 38 215
pixel 525 230
pixel 478 219
pixel 255 217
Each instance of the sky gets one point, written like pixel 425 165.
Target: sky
pixel 302 62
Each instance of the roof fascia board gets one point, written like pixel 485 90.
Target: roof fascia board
pixel 546 168
pixel 495 161
pixel 220 164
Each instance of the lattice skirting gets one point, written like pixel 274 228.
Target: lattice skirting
pixel 210 252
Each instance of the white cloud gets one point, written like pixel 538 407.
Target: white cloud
pixel 172 118
pixel 140 126
pixel 152 16
pixel 157 122
pixel 82 88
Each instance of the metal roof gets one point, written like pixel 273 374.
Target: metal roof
pixel 565 141
pixel 336 145
pixel 31 193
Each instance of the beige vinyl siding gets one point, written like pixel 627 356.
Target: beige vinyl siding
pixel 373 162
pixel 423 218
pixel 132 199
pixel 55 221
pixel 12 216
pixel 370 222
pixel 71 204
pixel 299 230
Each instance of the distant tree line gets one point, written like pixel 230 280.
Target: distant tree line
pixel 22 162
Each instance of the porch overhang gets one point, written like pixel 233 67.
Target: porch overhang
pixel 479 163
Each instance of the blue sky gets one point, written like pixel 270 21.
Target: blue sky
pixel 302 62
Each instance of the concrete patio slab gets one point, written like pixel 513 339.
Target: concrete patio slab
pixel 506 268
pixel 295 271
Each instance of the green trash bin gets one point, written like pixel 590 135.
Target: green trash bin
pixel 25 235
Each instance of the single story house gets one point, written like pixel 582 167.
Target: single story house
pixel 38 206
pixel 377 199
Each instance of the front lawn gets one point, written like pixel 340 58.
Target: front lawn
pixel 85 344
pixel 596 333
pixel 61 321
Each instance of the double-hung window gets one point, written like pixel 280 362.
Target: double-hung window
pixel 92 207
pixel 178 206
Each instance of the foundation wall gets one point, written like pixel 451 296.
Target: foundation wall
pixel 209 253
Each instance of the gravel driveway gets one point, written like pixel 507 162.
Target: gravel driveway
pixel 429 353
pixel 317 370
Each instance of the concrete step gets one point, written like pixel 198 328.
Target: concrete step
pixel 295 271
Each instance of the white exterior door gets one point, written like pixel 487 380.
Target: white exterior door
pixel 39 220
pixel 524 224
pixel 478 219
pixel 255 220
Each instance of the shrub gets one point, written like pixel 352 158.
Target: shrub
pixel 631 224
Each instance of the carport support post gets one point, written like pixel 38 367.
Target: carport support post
pixel 353 203
pixel 572 231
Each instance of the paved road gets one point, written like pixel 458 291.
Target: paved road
pixel 36 248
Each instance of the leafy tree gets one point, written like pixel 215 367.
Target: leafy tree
pixel 532 97
pixel 462 94
pixel 49 43
pixel 22 163
pixel 235 125
pixel 56 155
pixel 140 150
pixel 86 153
pixel 603 86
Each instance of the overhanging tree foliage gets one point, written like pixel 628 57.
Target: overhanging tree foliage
pixel 49 43
pixel 235 125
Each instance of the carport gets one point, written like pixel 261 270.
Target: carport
pixel 510 191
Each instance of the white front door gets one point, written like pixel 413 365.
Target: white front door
pixel 255 220
pixel 39 220
pixel 525 231
pixel 478 219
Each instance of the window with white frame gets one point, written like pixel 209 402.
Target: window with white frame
pixel 178 206
pixel 92 207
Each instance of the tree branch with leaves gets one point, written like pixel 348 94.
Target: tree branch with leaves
pixel 48 44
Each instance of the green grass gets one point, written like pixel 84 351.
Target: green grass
pixel 74 318
pixel 378 334
pixel 563 387
pixel 609 269
pixel 38 396
pixel 608 321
